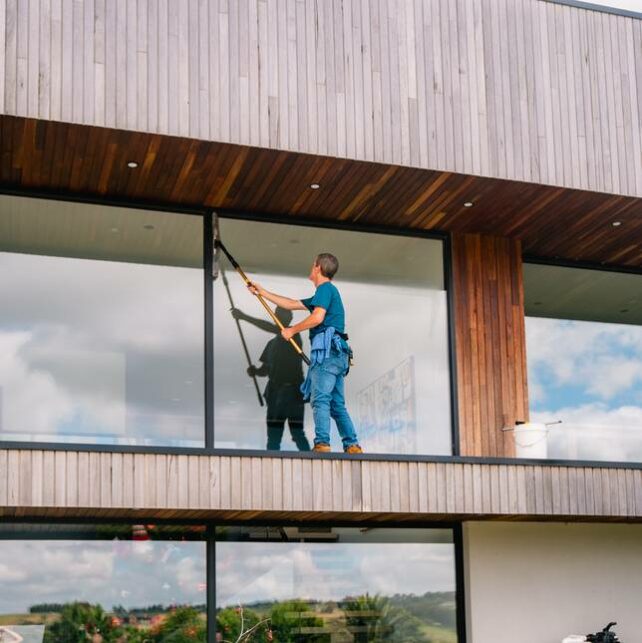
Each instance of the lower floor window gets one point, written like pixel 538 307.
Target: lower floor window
pixel 147 583
pixel 342 584
pixel 103 584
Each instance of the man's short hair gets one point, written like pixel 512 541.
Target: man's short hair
pixel 328 263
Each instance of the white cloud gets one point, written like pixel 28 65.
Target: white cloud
pixel 248 572
pixel 603 362
pixel 103 347
pixel 20 386
pixel 11 574
pixel 105 572
pixel 594 432
pixel 603 359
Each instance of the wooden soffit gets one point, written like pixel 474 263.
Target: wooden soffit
pixel 550 221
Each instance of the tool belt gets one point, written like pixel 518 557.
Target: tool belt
pixel 344 337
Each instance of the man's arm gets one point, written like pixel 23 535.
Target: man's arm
pixel 315 318
pixel 283 302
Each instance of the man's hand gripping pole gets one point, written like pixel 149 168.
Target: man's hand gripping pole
pixel 219 244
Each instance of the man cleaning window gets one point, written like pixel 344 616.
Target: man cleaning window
pixel 329 355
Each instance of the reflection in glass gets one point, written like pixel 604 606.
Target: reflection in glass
pixel 282 368
pixel 336 584
pixel 102 329
pixel 393 289
pixel 584 347
pixel 104 584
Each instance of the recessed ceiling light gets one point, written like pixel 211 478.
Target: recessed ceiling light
pixel 468 204
pixel 132 164
pixel 114 229
pixel 615 224
pixel 148 226
pixel 315 186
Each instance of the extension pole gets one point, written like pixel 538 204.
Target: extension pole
pixel 218 243
pixel 243 342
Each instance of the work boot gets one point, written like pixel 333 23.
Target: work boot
pixel 353 448
pixel 322 448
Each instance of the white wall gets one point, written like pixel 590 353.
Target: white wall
pixel 539 582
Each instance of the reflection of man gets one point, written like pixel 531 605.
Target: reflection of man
pixel 282 366
pixel 329 352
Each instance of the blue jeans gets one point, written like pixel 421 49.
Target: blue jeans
pixel 327 399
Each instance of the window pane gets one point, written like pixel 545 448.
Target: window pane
pixel 584 346
pixel 107 584
pixel 336 584
pixel 393 291
pixel 102 331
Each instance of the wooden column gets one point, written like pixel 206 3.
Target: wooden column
pixel 490 342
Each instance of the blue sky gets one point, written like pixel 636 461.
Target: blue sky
pixel 589 375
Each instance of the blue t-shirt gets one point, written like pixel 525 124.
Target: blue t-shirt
pixel 327 297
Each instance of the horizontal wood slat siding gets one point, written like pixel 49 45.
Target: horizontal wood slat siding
pixel 519 89
pixel 81 484
pixel 491 342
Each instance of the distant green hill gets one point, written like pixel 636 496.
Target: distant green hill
pixel 430 617
pixel 434 608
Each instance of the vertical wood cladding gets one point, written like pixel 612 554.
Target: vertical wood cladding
pixel 518 89
pixel 490 342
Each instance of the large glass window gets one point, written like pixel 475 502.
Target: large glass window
pixel 147 583
pixel 103 584
pixel 584 347
pixel 396 307
pixel 341 584
pixel 101 324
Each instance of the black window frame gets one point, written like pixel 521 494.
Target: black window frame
pixel 210 549
pixel 206 269
pixel 209 449
pixel 349 227
pixel 208 214
pixel 597 267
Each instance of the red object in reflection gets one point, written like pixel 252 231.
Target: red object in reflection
pixel 139 532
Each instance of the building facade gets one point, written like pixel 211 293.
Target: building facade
pixel 476 165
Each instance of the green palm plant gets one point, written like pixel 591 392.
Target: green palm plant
pixel 374 618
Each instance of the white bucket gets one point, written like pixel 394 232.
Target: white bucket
pixel 531 440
